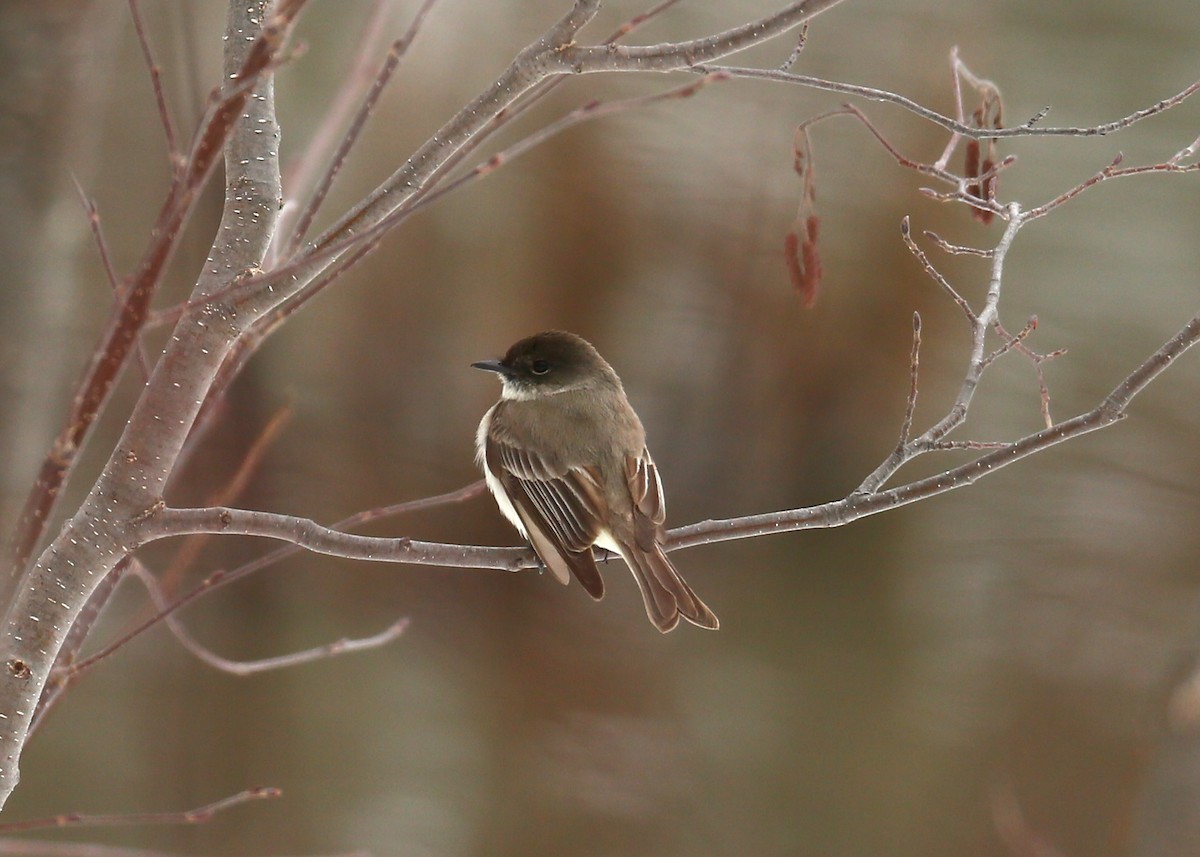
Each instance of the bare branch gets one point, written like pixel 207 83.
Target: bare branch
pixel 223 578
pixel 914 363
pixel 859 505
pixel 25 847
pixel 164 113
pixel 397 51
pixel 957 127
pixel 324 254
pixel 56 587
pixel 199 815
pixel 93 217
pixel 794 56
pixel 168 523
pixel 1011 342
pixel 956 249
pixel 301 175
pixel 936 275
pixel 972 444
pixel 344 646
pixel 129 314
pixel 1112 171
pixel 678 56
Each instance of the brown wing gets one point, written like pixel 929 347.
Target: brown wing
pixel 561 510
pixel 666 595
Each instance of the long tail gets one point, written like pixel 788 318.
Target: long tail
pixel 666 594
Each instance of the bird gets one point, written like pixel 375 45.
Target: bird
pixel 564 455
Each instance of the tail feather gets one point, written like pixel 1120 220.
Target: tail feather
pixel 666 595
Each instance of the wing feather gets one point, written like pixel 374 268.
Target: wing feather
pixel 562 509
pixel 649 505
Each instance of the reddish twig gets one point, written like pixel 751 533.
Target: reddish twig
pixel 199 815
pixel 130 312
pixel 301 174
pixel 1036 359
pixel 320 254
pixel 191 548
pixel 397 51
pixel 638 20
pixel 983 177
pixel 93 216
pixel 160 98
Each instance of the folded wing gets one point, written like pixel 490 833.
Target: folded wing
pixel 562 510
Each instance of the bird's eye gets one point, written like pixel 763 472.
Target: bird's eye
pixel 539 367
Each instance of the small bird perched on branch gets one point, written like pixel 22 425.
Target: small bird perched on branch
pixel 565 456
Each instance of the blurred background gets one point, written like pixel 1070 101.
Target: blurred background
pixel 986 673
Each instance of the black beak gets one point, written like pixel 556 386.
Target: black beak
pixel 492 366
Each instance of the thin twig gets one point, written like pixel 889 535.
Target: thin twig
pixel 93 217
pixel 885 96
pixel 344 646
pixel 959 113
pixel 191 548
pixel 977 362
pixel 794 56
pixel 971 444
pixel 1037 360
pixel 1011 342
pixel 934 274
pixel 169 523
pixel 1112 171
pixel 129 315
pixel 160 98
pixel 118 287
pixel 322 254
pixel 199 815
pixel 961 185
pixel 223 578
pixel 301 174
pixel 638 20
pixel 910 406
pixel 380 81
pixel 956 249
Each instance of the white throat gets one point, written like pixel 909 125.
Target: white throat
pixel 512 392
